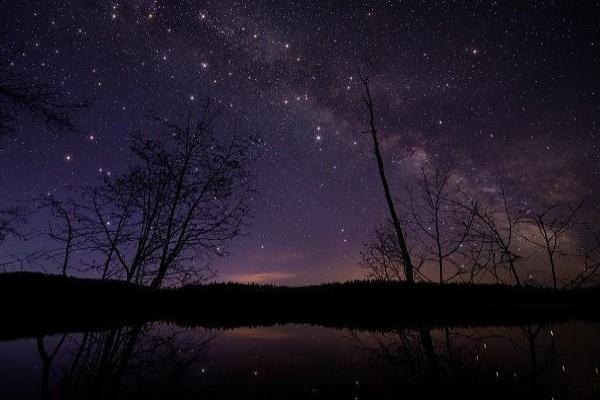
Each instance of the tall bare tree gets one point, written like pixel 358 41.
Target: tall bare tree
pixel 406 258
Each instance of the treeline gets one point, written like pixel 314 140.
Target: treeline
pixel 42 303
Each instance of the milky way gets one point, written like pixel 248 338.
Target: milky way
pixel 492 87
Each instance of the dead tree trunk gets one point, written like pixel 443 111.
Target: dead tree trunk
pixel 406 259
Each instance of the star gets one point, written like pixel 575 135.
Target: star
pixel 435 101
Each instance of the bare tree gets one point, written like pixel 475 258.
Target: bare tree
pixel 480 256
pixel 442 223
pixel 496 232
pixel 381 255
pixel 185 196
pixel 591 261
pixel 406 259
pixel 10 220
pixel 21 96
pixel 552 224
pixel 62 229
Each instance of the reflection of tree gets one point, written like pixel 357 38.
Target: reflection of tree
pixel 449 361
pixel 109 364
pixel 405 356
pixel 540 362
pixel 47 359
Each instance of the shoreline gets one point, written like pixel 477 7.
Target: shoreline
pixel 37 304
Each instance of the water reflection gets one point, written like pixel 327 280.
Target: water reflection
pixel 464 362
pixel 150 360
pixel 302 361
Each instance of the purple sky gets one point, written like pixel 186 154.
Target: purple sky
pixel 493 87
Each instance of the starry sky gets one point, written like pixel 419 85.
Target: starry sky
pixel 492 87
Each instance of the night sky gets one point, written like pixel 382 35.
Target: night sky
pixel 509 88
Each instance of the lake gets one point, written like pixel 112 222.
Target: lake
pixel 294 361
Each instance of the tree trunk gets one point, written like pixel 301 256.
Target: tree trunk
pixel 514 272
pixel 406 260
pixel 433 371
pixel 441 265
pixel 553 267
pixel 157 281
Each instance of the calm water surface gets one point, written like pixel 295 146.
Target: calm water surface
pixel 557 361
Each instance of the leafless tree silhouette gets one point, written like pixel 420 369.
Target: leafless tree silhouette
pixel 442 223
pixel 495 231
pixel 381 256
pixel 405 254
pixel 23 96
pixel 10 220
pixel 184 197
pixel 64 232
pixel 590 271
pixel 552 223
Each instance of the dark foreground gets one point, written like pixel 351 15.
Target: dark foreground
pixel 80 339
pixel 37 304
pixel 298 361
